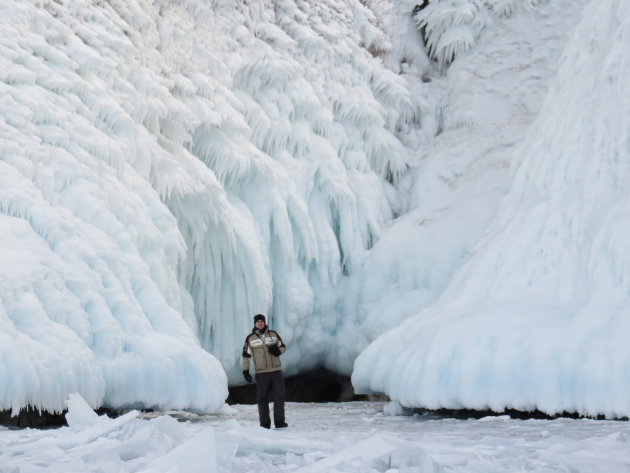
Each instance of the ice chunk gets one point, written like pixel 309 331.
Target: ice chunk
pixel 80 415
pixel 365 451
pixel 196 455
pixel 394 408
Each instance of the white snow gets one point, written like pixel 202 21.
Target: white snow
pixel 331 438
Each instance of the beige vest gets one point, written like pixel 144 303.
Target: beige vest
pixel 256 347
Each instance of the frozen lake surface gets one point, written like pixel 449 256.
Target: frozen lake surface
pixel 335 437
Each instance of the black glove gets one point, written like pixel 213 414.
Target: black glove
pixel 274 350
pixel 247 376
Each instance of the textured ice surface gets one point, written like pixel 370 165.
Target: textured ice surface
pixel 330 438
pixel 169 169
pixel 536 317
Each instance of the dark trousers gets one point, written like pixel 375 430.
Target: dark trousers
pixel 270 387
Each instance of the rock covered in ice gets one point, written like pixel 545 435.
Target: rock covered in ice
pixel 536 318
pixel 166 171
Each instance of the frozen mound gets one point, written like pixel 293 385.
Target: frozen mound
pixel 537 318
pixel 124 443
pixel 485 102
pixel 168 169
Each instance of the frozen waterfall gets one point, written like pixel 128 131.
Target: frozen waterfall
pixel 537 318
pixel 437 190
pixel 167 169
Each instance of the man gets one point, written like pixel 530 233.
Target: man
pixel 265 346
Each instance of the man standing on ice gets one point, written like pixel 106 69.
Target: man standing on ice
pixel 266 346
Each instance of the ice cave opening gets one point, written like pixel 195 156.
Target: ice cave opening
pixel 319 385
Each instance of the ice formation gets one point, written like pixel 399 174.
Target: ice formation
pixel 461 177
pixel 536 319
pixel 323 438
pixel 169 169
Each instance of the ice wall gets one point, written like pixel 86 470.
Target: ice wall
pixel 167 170
pixel 484 104
pixel 537 318
pixel 90 299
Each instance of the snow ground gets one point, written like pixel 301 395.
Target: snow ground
pixel 334 437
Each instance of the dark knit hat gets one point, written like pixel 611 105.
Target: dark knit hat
pixel 258 317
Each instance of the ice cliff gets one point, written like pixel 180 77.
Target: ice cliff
pixel 446 178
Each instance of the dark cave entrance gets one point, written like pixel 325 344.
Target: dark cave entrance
pixel 313 386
